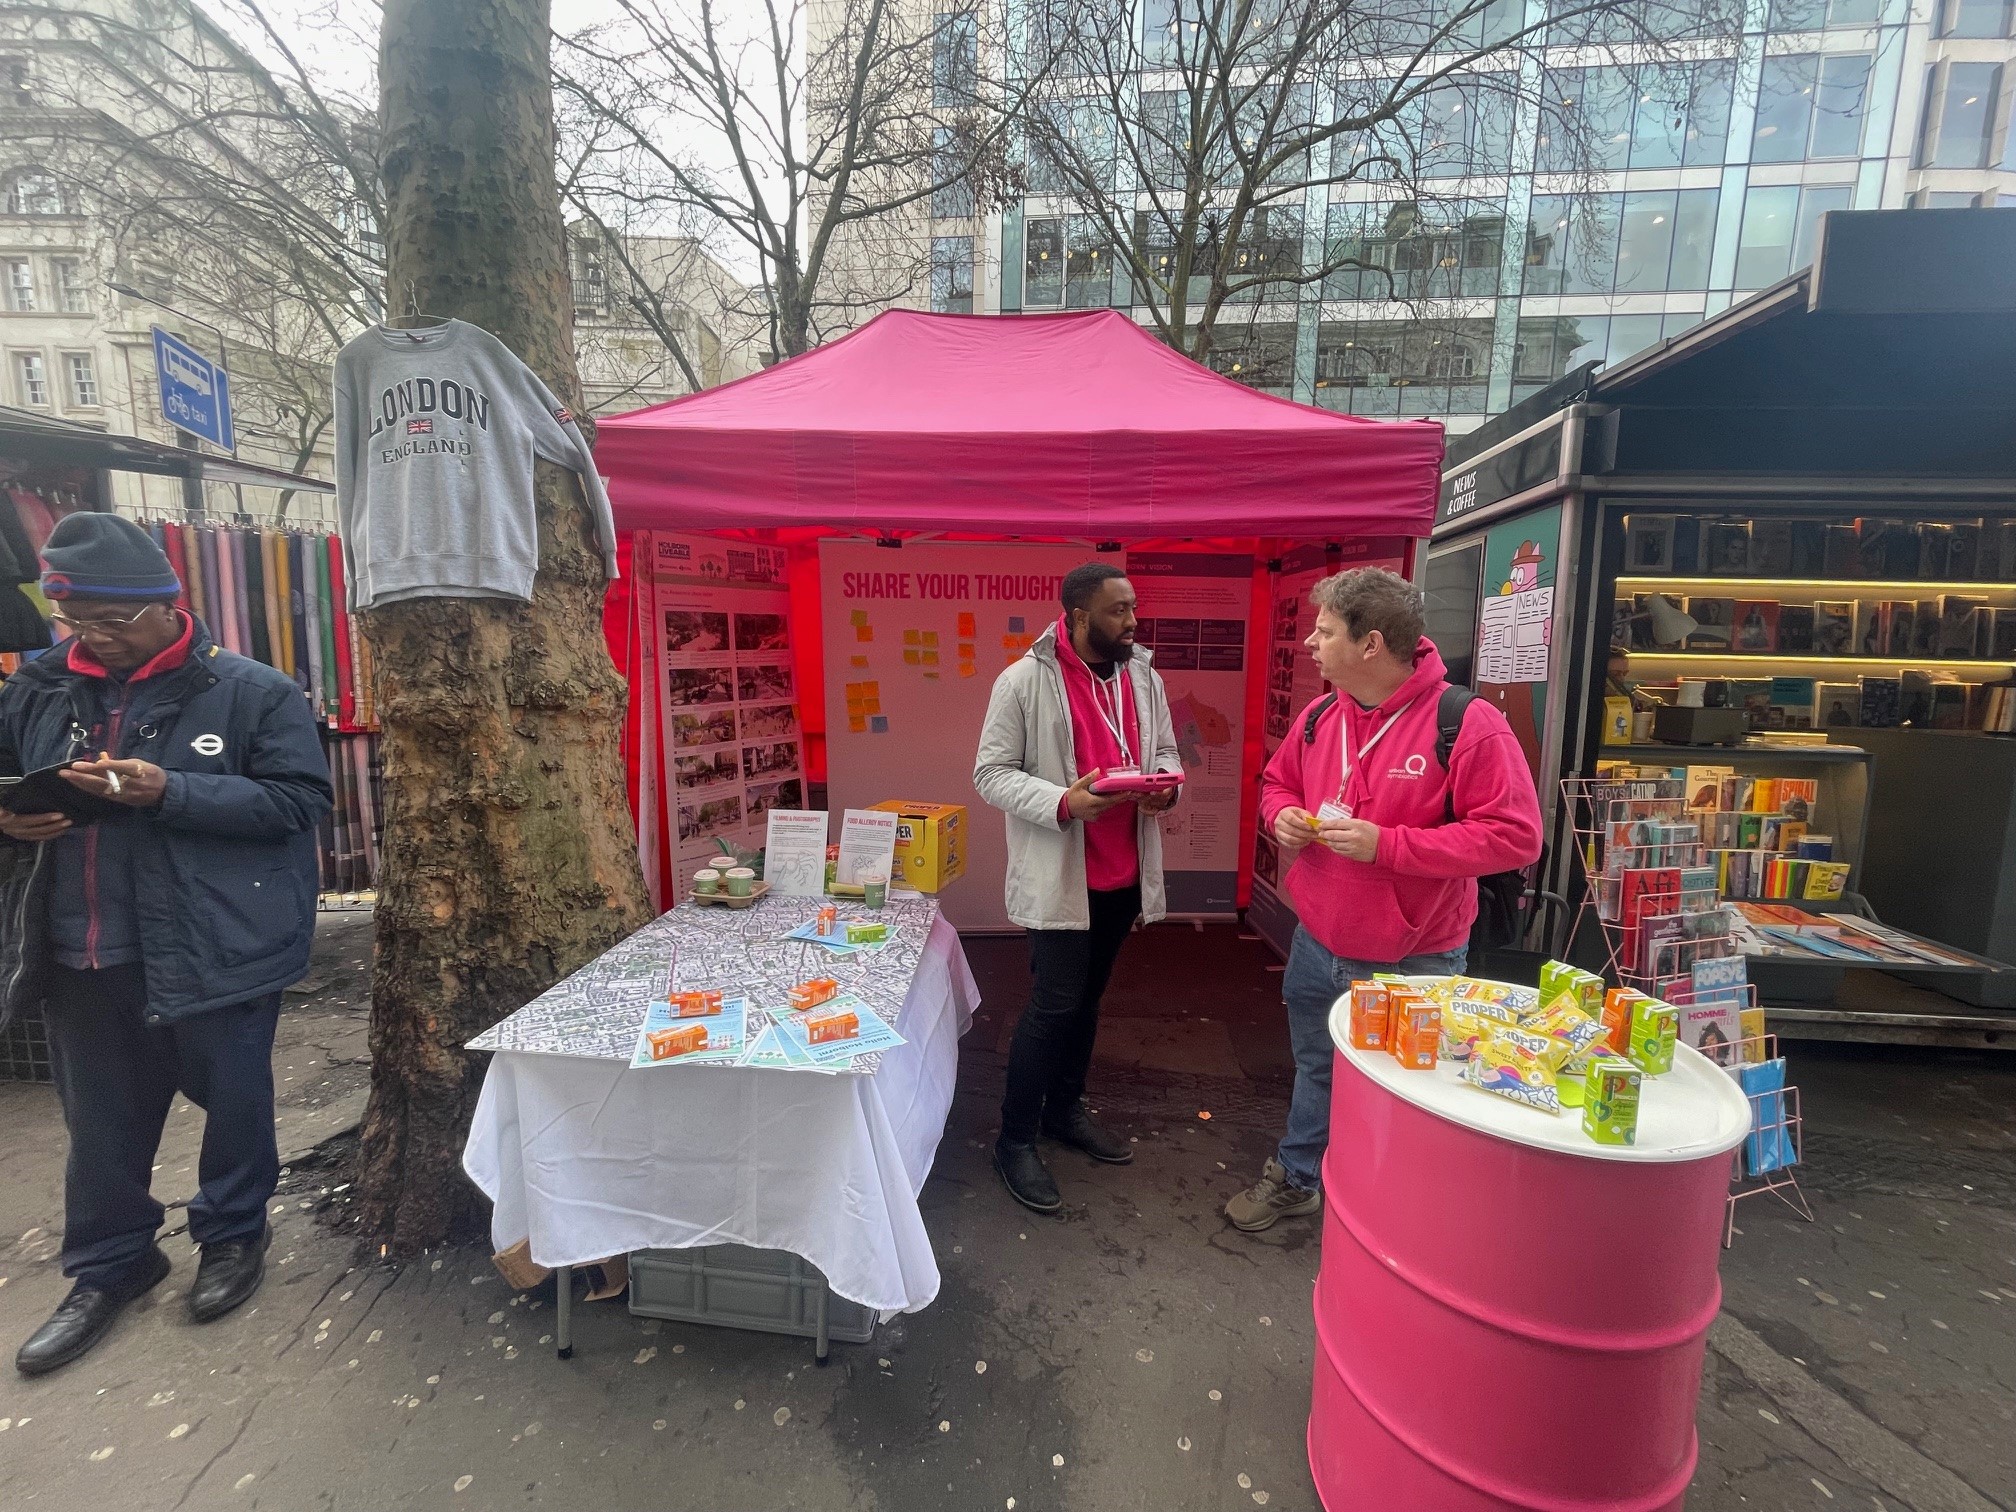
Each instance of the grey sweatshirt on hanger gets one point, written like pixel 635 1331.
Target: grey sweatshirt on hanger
pixel 436 430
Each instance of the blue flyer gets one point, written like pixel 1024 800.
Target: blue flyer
pixel 726 1032
pixel 772 1051
pixel 875 1034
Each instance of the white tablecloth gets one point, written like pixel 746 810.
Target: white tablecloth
pixel 590 1158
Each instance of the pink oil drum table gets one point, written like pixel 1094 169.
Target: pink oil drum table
pixel 1509 1316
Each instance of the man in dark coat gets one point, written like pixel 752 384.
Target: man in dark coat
pixel 156 922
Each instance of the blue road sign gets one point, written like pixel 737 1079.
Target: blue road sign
pixel 195 392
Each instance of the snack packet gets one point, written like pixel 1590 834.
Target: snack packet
pixel 1504 994
pixel 1655 1028
pixel 1581 1035
pixel 1518 1065
pixel 1461 1030
pixel 1610 1102
pixel 1371 1016
pixel 1416 1033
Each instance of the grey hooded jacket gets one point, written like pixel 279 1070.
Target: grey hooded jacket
pixel 1025 764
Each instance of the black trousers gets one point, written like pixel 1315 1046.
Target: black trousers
pixel 116 1077
pixel 1052 1049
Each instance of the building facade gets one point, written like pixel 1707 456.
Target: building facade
pixel 1533 266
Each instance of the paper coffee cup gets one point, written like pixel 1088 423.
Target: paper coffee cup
pixel 741 881
pixel 1693 692
pixel 707 880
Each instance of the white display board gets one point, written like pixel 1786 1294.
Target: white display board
pixel 1194 613
pixel 732 746
pixel 914 639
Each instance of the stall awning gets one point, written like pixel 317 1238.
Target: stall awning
pixel 47 439
pixel 1075 424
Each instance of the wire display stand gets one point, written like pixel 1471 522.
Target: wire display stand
pixel 1768 1158
pixel 1634 841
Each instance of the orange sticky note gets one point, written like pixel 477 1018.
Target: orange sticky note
pixel 858 661
pixel 930 658
pixel 967 628
pixel 910 656
pixel 966 669
pixel 909 637
pixel 864 632
pixel 858 723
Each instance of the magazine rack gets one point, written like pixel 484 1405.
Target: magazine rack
pixel 1775 1120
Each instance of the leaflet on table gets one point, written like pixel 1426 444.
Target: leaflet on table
pixel 727 1032
pixel 794 853
pixel 837 941
pixel 875 1034
pixel 774 1051
pixel 867 845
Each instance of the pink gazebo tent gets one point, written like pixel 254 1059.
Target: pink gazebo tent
pixel 1074 424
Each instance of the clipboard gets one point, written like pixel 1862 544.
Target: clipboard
pixel 44 792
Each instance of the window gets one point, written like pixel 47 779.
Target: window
pixel 591 276
pixel 1974 18
pixel 31 191
pixel 1402 367
pixel 72 298
pixel 955 58
pixel 1959 115
pixel 1411 249
pixel 1268 252
pixel 31 378
pixel 952 275
pixel 1810 106
pixel 1781 224
pixel 1552 346
pixel 1259 356
pixel 20 285
pixel 1463 126
pixel 16 83
pixel 1088 265
pixel 952 192
pixel 1933 199
pixel 1043 263
pixel 1812 15
pixel 1071 148
pixel 1652 116
pixel 1636 21
pixel 81 380
pixel 1640 243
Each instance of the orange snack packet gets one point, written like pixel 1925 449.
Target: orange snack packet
pixel 826 1024
pixel 1371 1015
pixel 680 1039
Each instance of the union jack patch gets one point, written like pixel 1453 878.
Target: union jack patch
pixel 419 427
pixel 564 415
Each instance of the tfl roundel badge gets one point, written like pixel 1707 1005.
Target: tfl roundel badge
pixel 208 745
pixel 55 585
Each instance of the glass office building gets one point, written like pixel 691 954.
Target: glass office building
pixel 1459 306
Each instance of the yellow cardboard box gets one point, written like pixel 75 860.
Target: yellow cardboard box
pixel 930 843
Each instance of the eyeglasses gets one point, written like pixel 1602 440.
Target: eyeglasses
pixel 110 622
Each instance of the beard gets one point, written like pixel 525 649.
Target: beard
pixel 1104 649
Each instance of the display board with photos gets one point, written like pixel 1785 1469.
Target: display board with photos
pixel 1917 616
pixel 733 749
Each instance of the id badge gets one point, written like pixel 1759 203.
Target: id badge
pixel 1334 810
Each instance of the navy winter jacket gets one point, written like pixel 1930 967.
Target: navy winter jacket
pixel 224 870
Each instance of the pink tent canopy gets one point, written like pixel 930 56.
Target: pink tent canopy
pixel 1078 424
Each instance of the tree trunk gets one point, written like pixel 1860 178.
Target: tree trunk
pixel 509 859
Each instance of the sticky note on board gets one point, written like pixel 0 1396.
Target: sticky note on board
pixel 966 650
pixel 871 706
pixel 930 637
pixel 930 658
pixel 1007 643
pixel 1015 625
pixel 931 677
pixel 879 723
pixel 858 661
pixel 966 669
pixel 910 656
pixel 858 723
pixel 910 638
pixel 968 627
pixel 864 632
pixel 859 617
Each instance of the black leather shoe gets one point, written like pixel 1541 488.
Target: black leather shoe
pixel 1026 1177
pixel 228 1274
pixel 85 1316
pixel 1077 1130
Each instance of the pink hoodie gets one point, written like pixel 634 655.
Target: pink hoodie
pixel 1418 894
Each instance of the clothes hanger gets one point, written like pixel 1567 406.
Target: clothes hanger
pixel 414 313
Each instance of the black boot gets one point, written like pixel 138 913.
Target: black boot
pixel 1026 1177
pixel 1076 1129
pixel 86 1315
pixel 230 1271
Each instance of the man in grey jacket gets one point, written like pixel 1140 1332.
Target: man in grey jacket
pixel 1082 866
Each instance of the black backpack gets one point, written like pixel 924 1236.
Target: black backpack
pixel 1501 897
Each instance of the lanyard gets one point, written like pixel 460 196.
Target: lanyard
pixel 1345 761
pixel 1110 697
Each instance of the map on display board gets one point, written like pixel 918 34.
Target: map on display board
pixel 1194 612
pixel 1293 683
pixel 914 640
pixel 732 745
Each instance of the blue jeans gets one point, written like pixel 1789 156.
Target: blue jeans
pixel 1315 980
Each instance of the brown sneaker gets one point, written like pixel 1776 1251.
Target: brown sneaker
pixel 1270 1198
